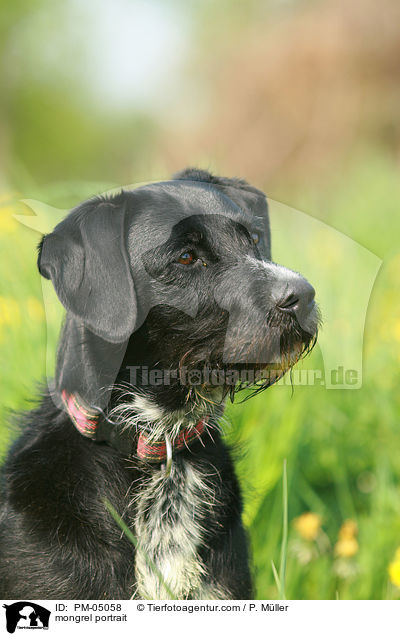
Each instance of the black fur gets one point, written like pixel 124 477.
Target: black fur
pixel 130 303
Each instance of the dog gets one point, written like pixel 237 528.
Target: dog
pixel 173 305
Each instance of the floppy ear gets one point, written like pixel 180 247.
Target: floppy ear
pixel 250 200
pixel 86 259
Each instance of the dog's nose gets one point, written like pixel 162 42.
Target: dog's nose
pixel 298 298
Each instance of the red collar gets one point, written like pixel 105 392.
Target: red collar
pixel 154 451
pixel 89 423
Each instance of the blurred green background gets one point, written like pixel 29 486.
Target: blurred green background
pixel 301 98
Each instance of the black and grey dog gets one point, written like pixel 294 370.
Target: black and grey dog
pixel 172 305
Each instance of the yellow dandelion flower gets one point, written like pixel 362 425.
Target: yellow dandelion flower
pixel 396 330
pixel 346 547
pixel 7 222
pixel 35 309
pixel 394 572
pixel 348 530
pixel 308 525
pixel 9 311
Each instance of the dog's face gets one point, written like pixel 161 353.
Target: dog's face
pixel 181 272
pixel 219 308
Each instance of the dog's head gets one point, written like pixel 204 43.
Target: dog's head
pixel 178 275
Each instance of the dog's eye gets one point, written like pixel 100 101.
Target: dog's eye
pixel 187 258
pixel 255 237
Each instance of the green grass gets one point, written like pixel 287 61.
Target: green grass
pixel 280 578
pixel 341 446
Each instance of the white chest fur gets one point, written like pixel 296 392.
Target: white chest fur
pixel 170 528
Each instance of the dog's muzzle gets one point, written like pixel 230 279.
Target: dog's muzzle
pixel 273 317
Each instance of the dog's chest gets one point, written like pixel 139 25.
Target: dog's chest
pixel 170 528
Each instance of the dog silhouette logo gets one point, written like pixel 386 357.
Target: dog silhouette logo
pixel 26 615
